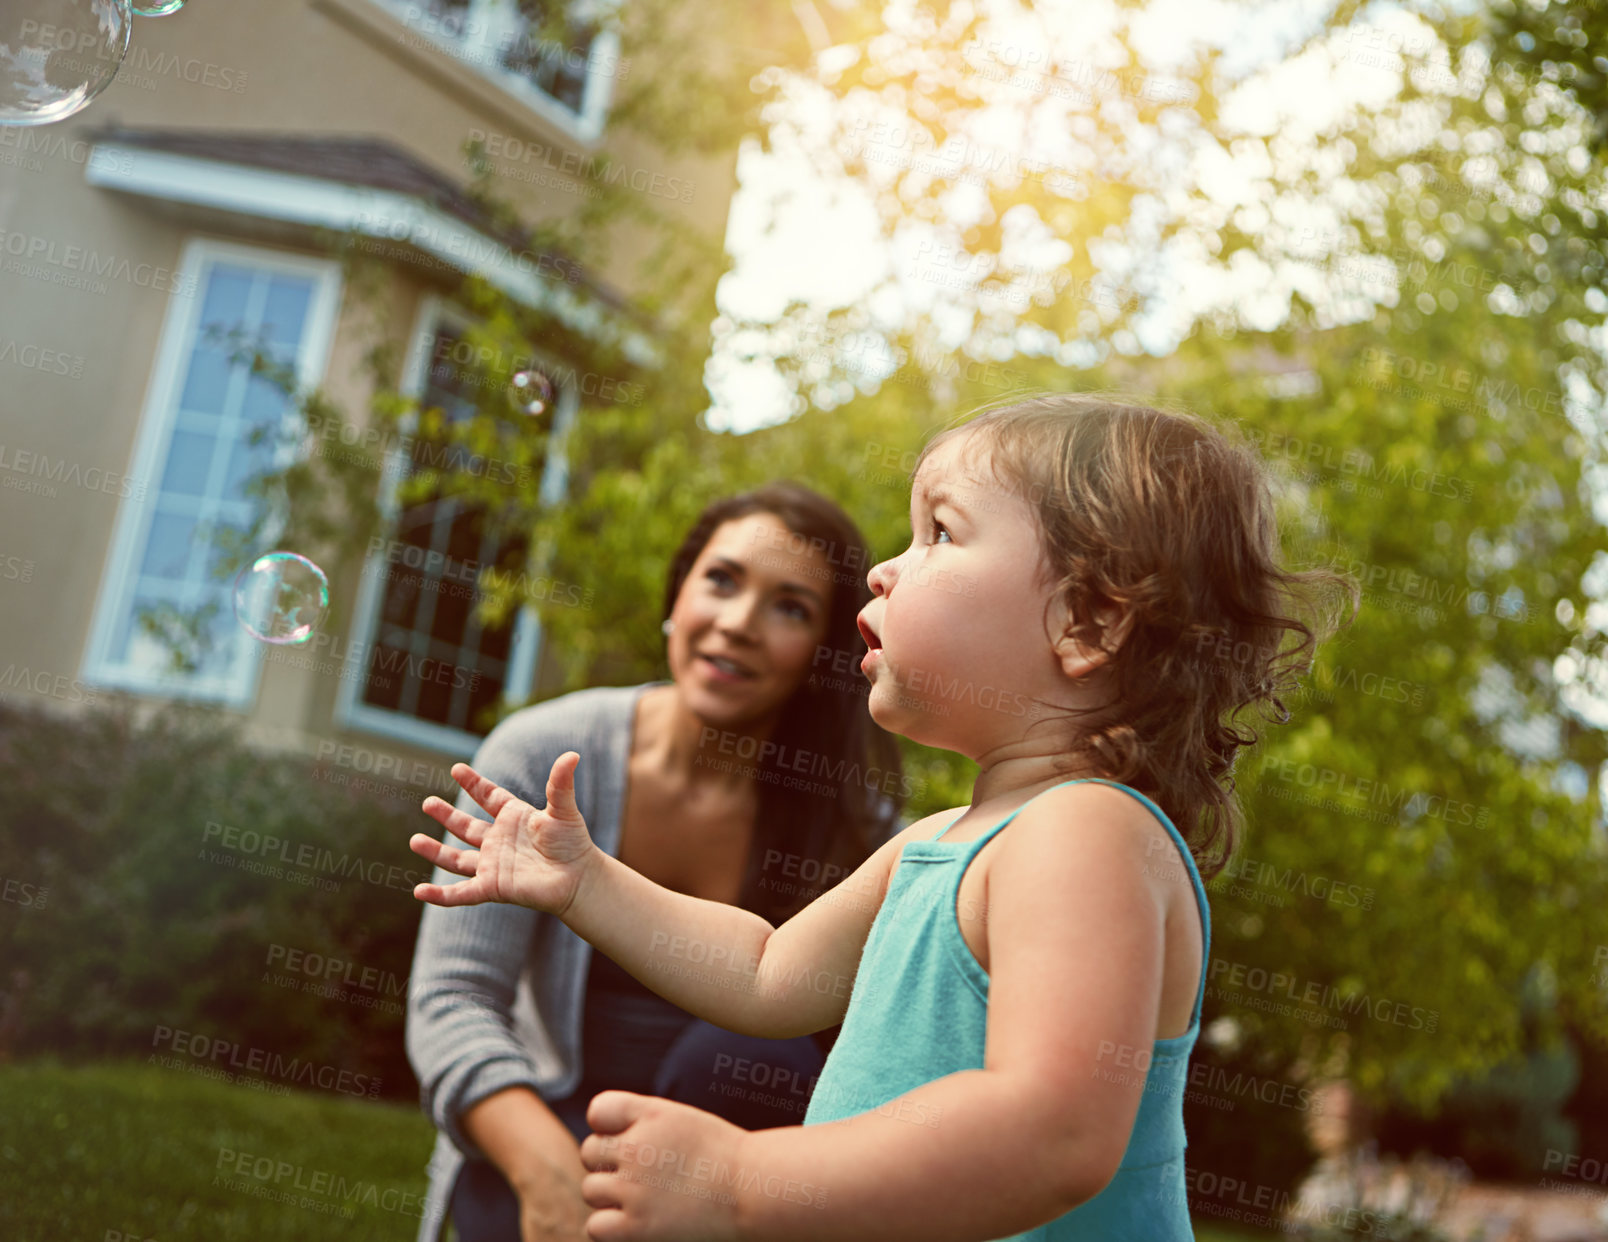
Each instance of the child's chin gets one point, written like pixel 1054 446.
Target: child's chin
pixel 887 703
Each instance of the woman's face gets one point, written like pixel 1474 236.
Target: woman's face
pixel 748 619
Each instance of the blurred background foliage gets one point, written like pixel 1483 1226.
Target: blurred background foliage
pixel 152 910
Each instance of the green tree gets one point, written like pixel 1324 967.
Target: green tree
pixel 1480 365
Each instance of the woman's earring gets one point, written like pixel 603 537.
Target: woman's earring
pixel 667 626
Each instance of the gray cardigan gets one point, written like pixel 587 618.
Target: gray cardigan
pixel 496 993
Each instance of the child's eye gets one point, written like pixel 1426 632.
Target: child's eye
pixel 802 611
pixel 719 573
pixel 938 526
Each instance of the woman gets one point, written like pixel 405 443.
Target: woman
pixel 753 776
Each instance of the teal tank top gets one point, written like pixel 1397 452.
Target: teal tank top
pixel 919 1011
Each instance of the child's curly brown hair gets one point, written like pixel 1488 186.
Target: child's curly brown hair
pixel 1171 519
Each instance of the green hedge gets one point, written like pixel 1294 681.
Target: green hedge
pixel 1505 1125
pixel 138 906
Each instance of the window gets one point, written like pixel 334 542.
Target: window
pixel 431 670
pixel 196 450
pixel 559 58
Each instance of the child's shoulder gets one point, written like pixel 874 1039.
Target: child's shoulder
pixel 923 829
pixel 1091 817
pixel 929 826
pixel 1087 847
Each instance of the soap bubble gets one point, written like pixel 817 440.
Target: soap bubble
pixel 158 8
pixel 530 393
pixel 57 55
pixel 281 597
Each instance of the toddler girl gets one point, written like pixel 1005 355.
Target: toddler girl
pixel 1090 598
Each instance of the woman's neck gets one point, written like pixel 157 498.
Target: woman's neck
pixel 685 750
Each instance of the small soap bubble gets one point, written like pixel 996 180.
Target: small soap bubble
pixel 158 8
pixel 57 55
pixel 281 597
pixel 530 393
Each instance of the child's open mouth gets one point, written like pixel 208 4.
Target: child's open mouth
pixel 872 641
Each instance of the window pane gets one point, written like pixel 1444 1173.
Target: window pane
pixel 189 461
pixel 551 54
pixel 482 696
pixel 246 460
pixel 464 542
pixel 136 645
pixel 383 685
pixel 402 591
pixel 224 641
pixel 454 602
pixel 284 312
pixel 228 288
pixel 126 637
pixel 225 535
pixel 206 382
pixel 435 693
pixel 263 403
pixel 497 643
pixel 168 547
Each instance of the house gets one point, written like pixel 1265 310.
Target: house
pixel 197 195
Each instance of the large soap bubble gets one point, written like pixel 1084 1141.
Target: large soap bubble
pixel 158 8
pixel 57 55
pixel 281 597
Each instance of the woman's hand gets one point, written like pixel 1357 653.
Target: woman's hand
pixel 525 857
pixel 661 1171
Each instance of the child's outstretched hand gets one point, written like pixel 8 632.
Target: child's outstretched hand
pixel 661 1171
pixel 525 857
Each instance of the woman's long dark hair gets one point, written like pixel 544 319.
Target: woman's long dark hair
pixel 832 788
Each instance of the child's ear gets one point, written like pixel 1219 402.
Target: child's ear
pixel 1080 658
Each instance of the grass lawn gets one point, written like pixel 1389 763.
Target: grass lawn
pixel 149 1153
pixel 130 1149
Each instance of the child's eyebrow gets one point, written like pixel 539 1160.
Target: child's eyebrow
pixel 939 494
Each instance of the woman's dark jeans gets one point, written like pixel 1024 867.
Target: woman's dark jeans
pixel 751 1082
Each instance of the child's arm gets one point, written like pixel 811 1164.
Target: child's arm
pixel 728 965
pixel 1076 940
pixel 725 964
